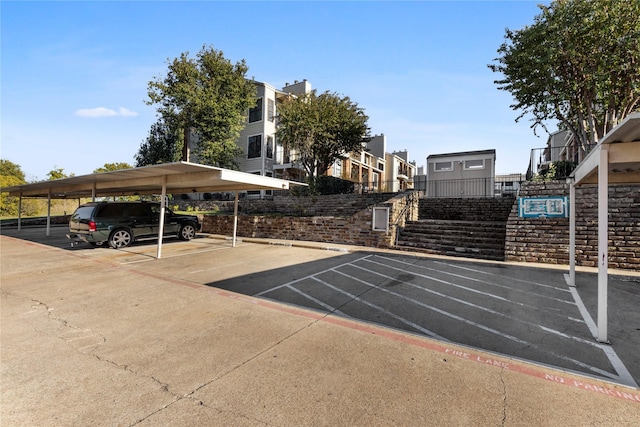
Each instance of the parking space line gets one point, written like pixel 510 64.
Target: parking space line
pixel 329 308
pixel 275 288
pixel 620 372
pixel 466 288
pixel 485 309
pixel 615 361
pixel 487 329
pixel 476 271
pixel 473 279
pixel 382 310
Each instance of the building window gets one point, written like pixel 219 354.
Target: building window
pixel 269 147
pixel 255 147
pixel 337 168
pixel 474 164
pixel 271 110
pixel 443 166
pixel 255 113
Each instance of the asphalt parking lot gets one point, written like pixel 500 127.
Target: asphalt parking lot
pixel 289 334
pixel 520 312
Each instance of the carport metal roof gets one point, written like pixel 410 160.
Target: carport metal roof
pixel 180 177
pixel 176 178
pixel 615 160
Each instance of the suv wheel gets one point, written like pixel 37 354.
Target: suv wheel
pixel 120 238
pixel 187 231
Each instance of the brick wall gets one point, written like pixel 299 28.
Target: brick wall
pixel 547 240
pixel 353 229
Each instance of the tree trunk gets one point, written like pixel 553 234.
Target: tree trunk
pixel 186 146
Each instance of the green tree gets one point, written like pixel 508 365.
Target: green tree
pixel 163 145
pixel 578 63
pixel 109 167
pixel 209 97
pixel 57 173
pixel 10 174
pixel 321 129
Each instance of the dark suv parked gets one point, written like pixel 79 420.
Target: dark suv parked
pixel 121 223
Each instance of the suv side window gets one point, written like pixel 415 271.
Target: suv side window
pixel 139 210
pixel 111 211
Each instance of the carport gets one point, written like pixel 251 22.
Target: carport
pixel 615 160
pixel 175 178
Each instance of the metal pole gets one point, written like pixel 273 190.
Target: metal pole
pixel 49 213
pixel 603 249
pixel 20 213
pixel 235 220
pixel 161 223
pixel 572 234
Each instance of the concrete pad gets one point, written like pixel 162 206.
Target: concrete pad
pixel 86 340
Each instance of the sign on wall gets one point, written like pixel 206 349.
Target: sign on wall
pixel 380 219
pixel 543 207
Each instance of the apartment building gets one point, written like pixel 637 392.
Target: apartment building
pixel 372 169
pixel 376 170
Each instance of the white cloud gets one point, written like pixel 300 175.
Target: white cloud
pixel 104 112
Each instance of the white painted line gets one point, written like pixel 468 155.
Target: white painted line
pixel 395 316
pixel 266 291
pixel 623 372
pixel 332 310
pixel 486 328
pixel 497 275
pixel 473 279
pixel 482 308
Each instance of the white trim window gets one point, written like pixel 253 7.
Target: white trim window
pixel 254 146
pixel 255 113
pixel 443 166
pixel 474 164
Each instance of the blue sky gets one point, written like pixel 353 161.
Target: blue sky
pixel 74 74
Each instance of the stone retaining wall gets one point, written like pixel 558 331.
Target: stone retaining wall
pixel 547 240
pixel 329 205
pixel 354 229
pixel 467 209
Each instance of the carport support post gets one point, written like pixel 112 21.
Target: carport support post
pixel 20 213
pixel 49 213
pixel 572 234
pixel 603 237
pixel 235 220
pixel 162 209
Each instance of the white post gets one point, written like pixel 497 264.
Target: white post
pixel 572 234
pixel 49 213
pixel 603 237
pixel 20 213
pixel 235 221
pixel 161 222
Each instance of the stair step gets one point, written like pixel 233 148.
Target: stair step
pixel 470 239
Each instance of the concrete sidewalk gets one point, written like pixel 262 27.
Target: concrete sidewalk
pixel 88 340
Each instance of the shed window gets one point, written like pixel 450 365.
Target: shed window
pixel 474 164
pixel 443 166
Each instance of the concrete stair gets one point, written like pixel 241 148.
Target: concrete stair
pixel 470 239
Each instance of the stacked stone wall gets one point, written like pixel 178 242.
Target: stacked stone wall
pixel 466 209
pixel 308 206
pixel 546 240
pixel 355 229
